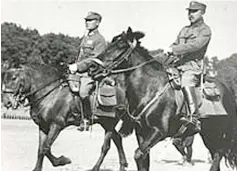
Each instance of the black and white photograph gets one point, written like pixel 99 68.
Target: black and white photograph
pixel 118 85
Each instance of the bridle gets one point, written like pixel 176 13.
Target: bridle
pixel 124 56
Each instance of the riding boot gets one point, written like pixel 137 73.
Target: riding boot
pixel 87 115
pixel 192 115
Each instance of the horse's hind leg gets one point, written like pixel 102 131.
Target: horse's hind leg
pixel 104 150
pixel 118 142
pixel 177 142
pixel 189 153
pixel 216 157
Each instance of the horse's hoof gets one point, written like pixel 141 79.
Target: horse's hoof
pixel 186 163
pixel 61 161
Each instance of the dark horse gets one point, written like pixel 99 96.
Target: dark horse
pixel 53 107
pixel 152 104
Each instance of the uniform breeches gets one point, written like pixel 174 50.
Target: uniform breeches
pixel 86 86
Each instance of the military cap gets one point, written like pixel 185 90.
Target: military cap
pixel 194 5
pixel 93 16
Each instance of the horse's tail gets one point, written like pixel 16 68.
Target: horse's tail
pixel 231 154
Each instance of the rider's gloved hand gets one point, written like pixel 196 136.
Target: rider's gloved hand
pixel 72 68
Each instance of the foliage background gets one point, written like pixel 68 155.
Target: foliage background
pixel 21 46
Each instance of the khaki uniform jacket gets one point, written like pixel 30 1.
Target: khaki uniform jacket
pixel 191 46
pixel 91 45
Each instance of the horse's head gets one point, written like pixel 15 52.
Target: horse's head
pixel 13 87
pixel 120 48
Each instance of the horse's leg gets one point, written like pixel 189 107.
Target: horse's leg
pixel 118 142
pixel 142 160
pixel 104 150
pixel 178 143
pixel 40 157
pixel 216 157
pixel 45 144
pixel 189 153
pixel 58 161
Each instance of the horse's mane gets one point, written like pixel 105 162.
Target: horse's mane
pixel 44 69
pixel 145 53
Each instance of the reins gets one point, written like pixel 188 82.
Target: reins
pixel 125 56
pixel 118 71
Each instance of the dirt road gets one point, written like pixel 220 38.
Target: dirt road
pixel 19 143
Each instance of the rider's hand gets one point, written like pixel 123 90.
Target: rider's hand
pixel 72 68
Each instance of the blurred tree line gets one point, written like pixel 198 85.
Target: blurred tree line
pixel 21 46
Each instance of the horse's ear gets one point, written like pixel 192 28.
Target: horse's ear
pixel 129 31
pixel 130 34
pixel 138 35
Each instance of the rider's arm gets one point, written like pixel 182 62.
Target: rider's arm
pixel 193 44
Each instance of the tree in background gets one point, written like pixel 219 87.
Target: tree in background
pixel 21 46
pixel 18 44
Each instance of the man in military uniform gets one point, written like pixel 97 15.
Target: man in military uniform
pixel 189 50
pixel 92 44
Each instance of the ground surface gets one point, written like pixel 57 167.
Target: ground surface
pixel 19 143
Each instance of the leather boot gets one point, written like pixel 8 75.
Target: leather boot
pixel 84 126
pixel 192 116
